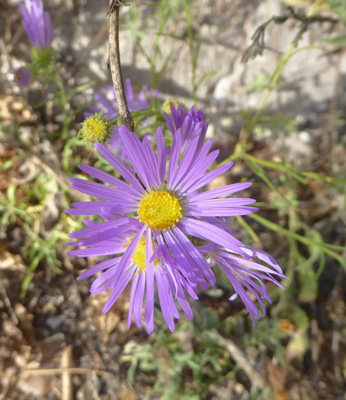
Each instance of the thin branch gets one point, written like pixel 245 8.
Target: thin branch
pixel 241 360
pixel 66 363
pixel 115 65
pixel 8 304
pixel 258 46
pixel 55 171
pixel 57 371
pixel 57 174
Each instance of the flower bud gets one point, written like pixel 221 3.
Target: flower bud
pixel 22 76
pixel 95 128
pixel 42 58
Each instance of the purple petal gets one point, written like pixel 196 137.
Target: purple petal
pixel 173 162
pixel 197 257
pixel 118 166
pixel 98 268
pixel 118 288
pixel 165 299
pixel 103 192
pixel 220 208
pixel 219 192
pixel 185 163
pixel 126 258
pixel 209 176
pixel 206 231
pixel 198 171
pixel 161 154
pixel 97 227
pixel 134 152
pixel 111 180
pixel 137 312
pixel 149 307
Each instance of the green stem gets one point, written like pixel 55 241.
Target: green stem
pixel 302 239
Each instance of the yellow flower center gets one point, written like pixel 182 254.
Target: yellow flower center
pixel 138 257
pixel 160 209
pixel 167 106
pixel 95 129
pixel 139 254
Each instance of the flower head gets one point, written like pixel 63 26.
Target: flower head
pixel 140 267
pixel 37 24
pixel 22 76
pixel 191 124
pixel 95 128
pixel 163 204
pixel 107 100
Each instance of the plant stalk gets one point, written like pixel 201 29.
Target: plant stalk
pixel 115 65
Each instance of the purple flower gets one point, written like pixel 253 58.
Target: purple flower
pixel 22 76
pixel 246 274
pixel 108 103
pixel 118 274
pixel 161 202
pixel 191 124
pixel 37 24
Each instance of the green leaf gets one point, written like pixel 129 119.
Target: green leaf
pixel 81 88
pixel 303 239
pixel 297 316
pixel 339 41
pixel 322 178
pixel 207 75
pixel 308 284
pixel 262 174
pixel 248 229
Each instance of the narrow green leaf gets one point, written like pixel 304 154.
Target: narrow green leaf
pixel 261 173
pixel 325 179
pixel 303 239
pixel 278 166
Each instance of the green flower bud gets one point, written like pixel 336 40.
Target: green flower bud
pixel 42 58
pixel 95 128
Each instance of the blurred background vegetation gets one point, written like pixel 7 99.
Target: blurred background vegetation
pixel 271 77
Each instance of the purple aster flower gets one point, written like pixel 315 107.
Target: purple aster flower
pixel 37 24
pixel 142 268
pixel 246 272
pixel 169 211
pixel 22 76
pixel 191 124
pixel 108 103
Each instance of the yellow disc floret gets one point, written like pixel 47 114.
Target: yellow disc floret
pixel 160 209
pixel 95 128
pixel 139 254
pixel 166 107
pixel 138 257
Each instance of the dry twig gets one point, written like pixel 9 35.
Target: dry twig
pixel 243 363
pixel 8 304
pixel 56 371
pixel 66 363
pixel 258 46
pixel 115 65
pixel 57 175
